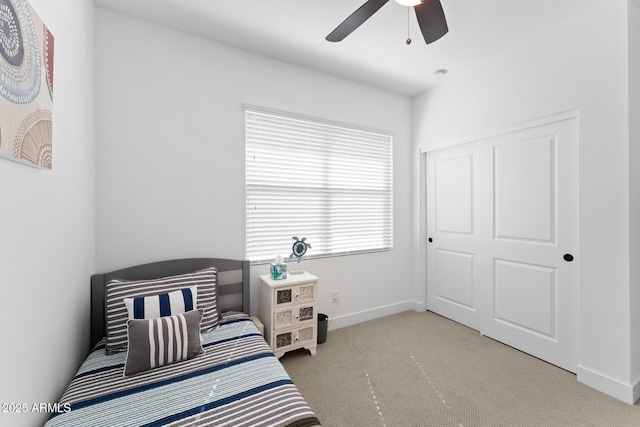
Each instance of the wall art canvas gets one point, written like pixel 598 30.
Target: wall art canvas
pixel 26 85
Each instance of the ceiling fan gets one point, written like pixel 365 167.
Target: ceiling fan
pixel 431 20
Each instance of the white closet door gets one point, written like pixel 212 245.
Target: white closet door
pixel 529 276
pixel 503 216
pixel 451 227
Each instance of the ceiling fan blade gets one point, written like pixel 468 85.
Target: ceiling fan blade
pixel 356 19
pixel 431 19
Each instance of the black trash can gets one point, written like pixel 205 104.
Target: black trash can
pixel 323 324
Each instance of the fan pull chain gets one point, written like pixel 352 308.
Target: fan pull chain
pixel 408 21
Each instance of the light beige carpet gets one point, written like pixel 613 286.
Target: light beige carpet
pixel 422 370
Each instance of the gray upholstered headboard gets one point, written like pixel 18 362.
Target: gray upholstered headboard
pixel 233 293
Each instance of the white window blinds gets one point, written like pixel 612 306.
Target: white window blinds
pixel 328 183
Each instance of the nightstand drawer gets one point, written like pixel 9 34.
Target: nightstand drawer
pixel 287 317
pixel 294 295
pixel 294 338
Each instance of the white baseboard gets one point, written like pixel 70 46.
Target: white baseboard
pixel 374 313
pixel 625 392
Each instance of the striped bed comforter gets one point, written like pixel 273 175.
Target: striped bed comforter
pixel 236 382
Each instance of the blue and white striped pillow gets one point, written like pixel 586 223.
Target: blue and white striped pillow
pixel 167 304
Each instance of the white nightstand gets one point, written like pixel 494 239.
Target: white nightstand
pixel 288 311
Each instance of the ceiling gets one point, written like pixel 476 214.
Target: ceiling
pixel 375 54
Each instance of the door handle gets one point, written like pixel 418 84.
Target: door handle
pixel 568 257
pixel 430 240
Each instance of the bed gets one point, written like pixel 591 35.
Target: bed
pixel 232 379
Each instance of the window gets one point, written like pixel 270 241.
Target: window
pixel 329 183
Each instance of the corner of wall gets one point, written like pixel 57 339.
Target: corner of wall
pixel 634 183
pixel 628 393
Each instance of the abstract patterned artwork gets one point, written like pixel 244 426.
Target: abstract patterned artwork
pixel 26 85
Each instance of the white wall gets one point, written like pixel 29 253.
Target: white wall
pixel 634 190
pixel 47 224
pixel 170 156
pixel 583 65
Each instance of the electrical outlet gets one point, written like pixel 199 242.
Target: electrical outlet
pixel 334 296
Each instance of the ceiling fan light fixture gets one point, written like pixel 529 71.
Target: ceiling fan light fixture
pixel 409 2
pixel 430 16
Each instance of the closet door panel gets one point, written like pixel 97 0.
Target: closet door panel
pixel 451 266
